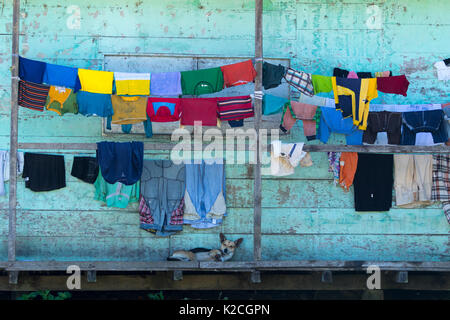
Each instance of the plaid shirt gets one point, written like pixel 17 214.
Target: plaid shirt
pixel 441 182
pixel 300 80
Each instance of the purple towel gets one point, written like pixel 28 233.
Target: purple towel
pixel 165 84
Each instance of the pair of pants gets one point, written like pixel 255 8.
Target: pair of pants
pixel 413 179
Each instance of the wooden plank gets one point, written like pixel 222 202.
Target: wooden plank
pixel 300 265
pixel 356 247
pixel 257 190
pixel 229 281
pixel 13 133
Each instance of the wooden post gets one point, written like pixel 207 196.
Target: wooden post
pixel 13 134
pixel 257 122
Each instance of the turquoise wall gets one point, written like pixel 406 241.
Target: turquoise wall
pixel 304 215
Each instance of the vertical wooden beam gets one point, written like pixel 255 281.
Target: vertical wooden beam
pixel 257 123
pixel 13 134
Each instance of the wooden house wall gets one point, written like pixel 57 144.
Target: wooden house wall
pixel 304 216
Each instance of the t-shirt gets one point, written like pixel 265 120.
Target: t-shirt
pixel 321 83
pixel 199 109
pixel 132 83
pixel 31 70
pixel 61 76
pixel 238 73
pixel 272 75
pixel 96 81
pixel 165 84
pixel 116 195
pixel 128 110
pixel 272 104
pixel 94 104
pixel 395 84
pixel 61 100
pixel 163 109
pixel 201 81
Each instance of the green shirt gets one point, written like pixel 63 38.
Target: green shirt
pixel 116 195
pixel 69 106
pixel 321 83
pixel 201 81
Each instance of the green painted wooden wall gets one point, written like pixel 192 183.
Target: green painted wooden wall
pixel 304 215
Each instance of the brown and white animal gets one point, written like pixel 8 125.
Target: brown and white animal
pixel 225 252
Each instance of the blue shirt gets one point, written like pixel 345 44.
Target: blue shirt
pixel 62 76
pixel 31 70
pixel 331 120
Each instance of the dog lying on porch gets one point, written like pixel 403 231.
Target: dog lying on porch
pixel 225 252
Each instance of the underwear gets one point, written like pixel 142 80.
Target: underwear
pixel 32 96
pixel 61 100
pixel 373 182
pixel 378 122
pixel 272 75
pixel 294 111
pixel 31 70
pixel 128 110
pixel 85 169
pixel 115 195
pixel 395 85
pixel 132 84
pixel 415 123
pixel 353 96
pixel 165 84
pixel 94 81
pixel 162 191
pixel 94 104
pixel 61 76
pixel 238 73
pixel 164 109
pixel 235 108
pixel 199 109
pixel 44 172
pixel 300 80
pixel 204 200
pixel 272 104
pixel 347 168
pixel 201 81
pixel 120 161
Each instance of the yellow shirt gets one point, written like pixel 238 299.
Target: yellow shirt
pixel 128 110
pixel 132 83
pixel 96 81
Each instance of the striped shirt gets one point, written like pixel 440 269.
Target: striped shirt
pixel 235 108
pixel 32 96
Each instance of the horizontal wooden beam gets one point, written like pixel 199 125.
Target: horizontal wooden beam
pixel 307 147
pixel 226 281
pixel 241 266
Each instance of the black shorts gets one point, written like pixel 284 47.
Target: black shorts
pixel 85 169
pixel 44 172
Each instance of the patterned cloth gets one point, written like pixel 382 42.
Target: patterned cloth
pixel 300 80
pixel 146 217
pixel 441 182
pixel 334 165
pixel 32 96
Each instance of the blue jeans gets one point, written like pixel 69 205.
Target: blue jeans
pixel 423 121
